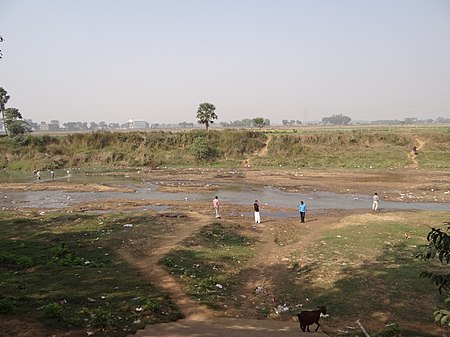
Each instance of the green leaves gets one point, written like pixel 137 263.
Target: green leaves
pixel 206 114
pixel 201 149
pixel 442 317
pixel 439 246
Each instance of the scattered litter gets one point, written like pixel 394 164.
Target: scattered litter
pixel 219 286
pixel 42 213
pixel 324 316
pixel 281 308
pixel 259 290
pixel 91 300
pixel 129 225
pixel 138 321
pixel 139 309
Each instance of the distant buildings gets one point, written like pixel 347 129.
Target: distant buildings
pixel 132 124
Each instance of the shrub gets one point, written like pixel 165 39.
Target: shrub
pixel 152 305
pixel 102 318
pixel 53 310
pixel 7 306
pixel 25 262
pixel 201 149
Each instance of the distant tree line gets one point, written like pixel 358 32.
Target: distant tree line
pixel 258 122
pixel 14 124
pixel 336 120
pixel 291 122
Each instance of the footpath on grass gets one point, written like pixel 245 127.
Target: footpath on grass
pixel 199 320
pixel 226 327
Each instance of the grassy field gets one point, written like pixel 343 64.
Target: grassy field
pixel 364 267
pixel 63 269
pixel 210 264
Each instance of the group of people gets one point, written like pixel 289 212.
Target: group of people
pixel 301 208
pixel 37 173
pixel 216 205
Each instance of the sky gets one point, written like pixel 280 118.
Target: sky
pixel 157 60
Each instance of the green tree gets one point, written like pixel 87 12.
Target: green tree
pixel 206 114
pixel 259 122
pixel 439 247
pixel 14 123
pixel 3 100
pixel 336 120
pixel 200 149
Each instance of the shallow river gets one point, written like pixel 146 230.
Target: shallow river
pixel 228 193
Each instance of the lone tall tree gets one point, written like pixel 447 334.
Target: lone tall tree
pixel 206 114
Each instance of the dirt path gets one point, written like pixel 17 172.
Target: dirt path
pixel 199 320
pixel 412 156
pixel 260 153
pixel 226 327
pixel 148 264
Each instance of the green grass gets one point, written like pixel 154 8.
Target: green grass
pixel 210 263
pixel 369 270
pixel 365 268
pixel 62 269
pixel 342 147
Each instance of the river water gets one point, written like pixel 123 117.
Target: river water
pixel 228 193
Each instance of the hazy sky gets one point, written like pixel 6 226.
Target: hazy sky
pixel 157 60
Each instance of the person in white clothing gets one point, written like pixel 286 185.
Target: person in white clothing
pixel 375 200
pixel 256 208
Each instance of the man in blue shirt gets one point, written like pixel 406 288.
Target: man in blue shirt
pixel 302 210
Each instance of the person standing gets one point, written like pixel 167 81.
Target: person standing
pixel 256 208
pixel 216 205
pixel 52 174
pixel 375 200
pixel 302 209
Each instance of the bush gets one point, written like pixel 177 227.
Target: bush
pixel 201 149
pixel 7 306
pixel 102 318
pixel 53 311
pixel 25 262
pixel 152 305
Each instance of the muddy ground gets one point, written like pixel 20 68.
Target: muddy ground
pixel 391 185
